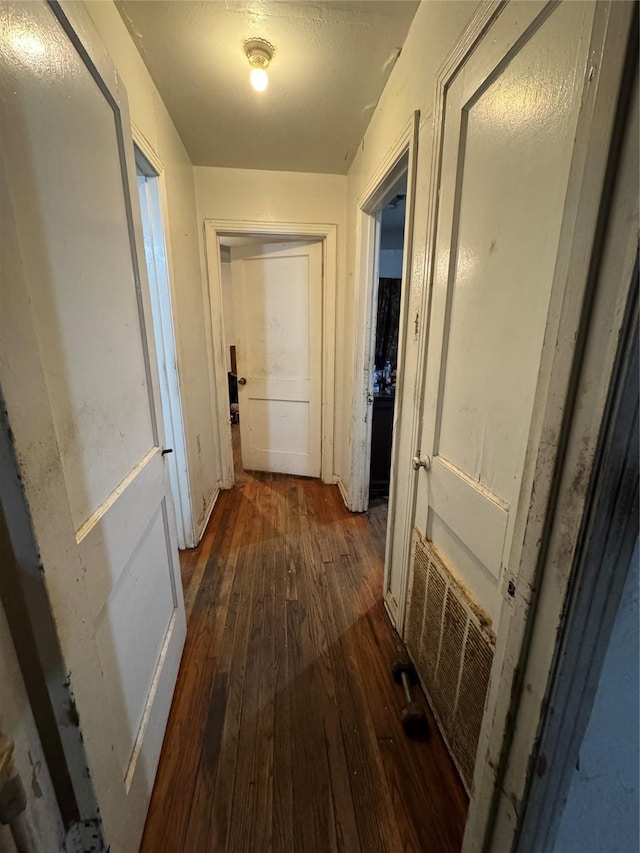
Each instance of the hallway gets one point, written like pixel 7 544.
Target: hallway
pixel 285 729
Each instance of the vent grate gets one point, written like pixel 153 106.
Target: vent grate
pixel 452 649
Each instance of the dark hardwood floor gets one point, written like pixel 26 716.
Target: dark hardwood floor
pixel 284 733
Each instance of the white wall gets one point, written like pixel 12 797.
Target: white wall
pixel 601 812
pixel 150 117
pixel 390 263
pixel 296 197
pixel 227 308
pixel 16 722
pixel 411 86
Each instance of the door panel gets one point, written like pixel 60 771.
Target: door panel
pixel 84 293
pixel 277 292
pixel 107 537
pixel 509 132
pixel 140 585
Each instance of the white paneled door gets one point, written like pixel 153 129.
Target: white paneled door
pixel 277 294
pixel 510 123
pixel 78 374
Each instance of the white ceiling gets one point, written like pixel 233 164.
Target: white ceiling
pixel 331 63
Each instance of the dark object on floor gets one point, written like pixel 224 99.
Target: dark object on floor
pixel 414 720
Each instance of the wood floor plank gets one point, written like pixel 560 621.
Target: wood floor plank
pixel 282 816
pixel 210 810
pixel 285 730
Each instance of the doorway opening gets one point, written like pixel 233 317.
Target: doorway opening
pixel 385 257
pixel 272 289
pixel 386 298
pixel 150 193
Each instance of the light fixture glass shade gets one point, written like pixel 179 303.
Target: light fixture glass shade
pixel 259 79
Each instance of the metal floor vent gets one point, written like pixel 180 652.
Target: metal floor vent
pixel 452 648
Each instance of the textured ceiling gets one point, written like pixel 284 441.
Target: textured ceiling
pixel 331 63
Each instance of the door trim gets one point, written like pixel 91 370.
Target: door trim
pixel 215 228
pixel 400 158
pixel 604 558
pixel 178 461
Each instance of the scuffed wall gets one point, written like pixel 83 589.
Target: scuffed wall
pixel 151 118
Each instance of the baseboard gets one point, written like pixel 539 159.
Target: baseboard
pixel 207 515
pixel 391 607
pixel 344 493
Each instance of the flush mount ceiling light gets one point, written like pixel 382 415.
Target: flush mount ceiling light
pixel 259 53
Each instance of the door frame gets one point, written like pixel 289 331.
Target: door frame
pixel 400 158
pixel 493 807
pixel 608 537
pixel 166 344
pixel 328 234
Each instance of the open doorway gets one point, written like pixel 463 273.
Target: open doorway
pixel 285 401
pixel 385 344
pixel 272 298
pixel 148 178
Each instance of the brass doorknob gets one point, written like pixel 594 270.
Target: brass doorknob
pixel 242 381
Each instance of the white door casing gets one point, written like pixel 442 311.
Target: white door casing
pixel 277 295
pixel 78 373
pixel 214 230
pixel 400 159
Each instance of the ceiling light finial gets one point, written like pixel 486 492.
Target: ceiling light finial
pixel 259 53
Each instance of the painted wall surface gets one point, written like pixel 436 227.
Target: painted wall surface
pixel 16 722
pixel 390 263
pixel 296 197
pixel 411 86
pixel 150 117
pixel 601 812
pixel 227 309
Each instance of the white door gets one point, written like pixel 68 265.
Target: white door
pixel 509 132
pixel 77 370
pixel 277 294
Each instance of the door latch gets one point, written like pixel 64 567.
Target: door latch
pixel 166 450
pixel 421 462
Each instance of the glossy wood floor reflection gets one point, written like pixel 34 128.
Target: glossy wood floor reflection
pixel 284 733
